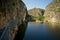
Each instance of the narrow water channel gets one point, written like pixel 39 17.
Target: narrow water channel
pixel 41 31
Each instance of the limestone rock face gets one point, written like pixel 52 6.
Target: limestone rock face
pixel 36 12
pixel 9 11
pixel 52 11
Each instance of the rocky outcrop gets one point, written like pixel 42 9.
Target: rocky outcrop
pixel 52 11
pixel 9 11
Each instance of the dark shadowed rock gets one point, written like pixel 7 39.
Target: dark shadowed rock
pixel 52 12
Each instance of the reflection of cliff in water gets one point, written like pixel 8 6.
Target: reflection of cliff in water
pixel 54 30
pixel 45 31
pixel 21 31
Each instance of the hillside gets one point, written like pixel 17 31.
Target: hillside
pixel 36 13
pixel 52 11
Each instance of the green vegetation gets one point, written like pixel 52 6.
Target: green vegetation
pixel 36 14
pixel 41 18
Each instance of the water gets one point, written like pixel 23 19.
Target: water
pixel 42 31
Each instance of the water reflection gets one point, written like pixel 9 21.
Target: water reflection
pixel 21 31
pixel 54 29
pixel 42 31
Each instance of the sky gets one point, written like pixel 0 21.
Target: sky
pixel 36 3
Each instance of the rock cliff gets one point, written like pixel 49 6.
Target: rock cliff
pixel 52 11
pixel 9 11
pixel 36 13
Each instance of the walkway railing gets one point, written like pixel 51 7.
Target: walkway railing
pixel 5 33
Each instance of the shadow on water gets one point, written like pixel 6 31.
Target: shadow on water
pixel 21 31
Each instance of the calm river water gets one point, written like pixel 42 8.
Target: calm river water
pixel 42 31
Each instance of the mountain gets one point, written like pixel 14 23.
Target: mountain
pixel 36 12
pixel 52 12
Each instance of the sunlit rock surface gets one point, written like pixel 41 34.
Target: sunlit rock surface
pixel 52 11
pixel 9 11
pixel 36 12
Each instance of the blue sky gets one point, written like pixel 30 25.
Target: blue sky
pixel 36 3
